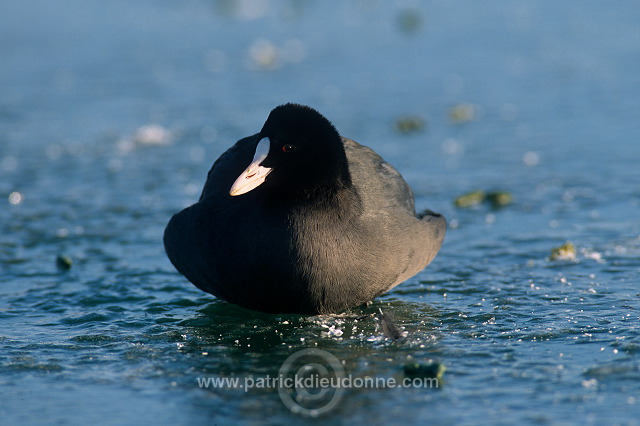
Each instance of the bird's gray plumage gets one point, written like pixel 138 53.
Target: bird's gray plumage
pixel 321 256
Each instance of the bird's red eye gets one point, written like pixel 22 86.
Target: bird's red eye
pixel 288 148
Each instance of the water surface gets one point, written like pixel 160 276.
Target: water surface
pixel 112 113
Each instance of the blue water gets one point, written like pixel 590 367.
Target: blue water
pixel 552 98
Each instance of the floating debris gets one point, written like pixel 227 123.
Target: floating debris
pixel 264 55
pixel 462 113
pixel 470 199
pixel 63 262
pixel 410 124
pixel 496 199
pixel 430 369
pixel 567 251
pixel 592 254
pixel 15 198
pixel 409 21
pixel 499 198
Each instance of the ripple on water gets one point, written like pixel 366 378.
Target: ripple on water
pixel 622 371
pixel 122 336
pixel 87 318
pixel 97 339
pixel 26 363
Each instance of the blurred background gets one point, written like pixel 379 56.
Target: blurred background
pixel 529 76
pixel 111 114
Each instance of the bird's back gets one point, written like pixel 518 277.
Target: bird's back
pixel 407 241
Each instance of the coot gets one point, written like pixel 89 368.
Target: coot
pixel 297 219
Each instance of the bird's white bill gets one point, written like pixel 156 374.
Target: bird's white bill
pixel 255 174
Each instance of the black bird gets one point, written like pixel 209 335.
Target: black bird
pixel 314 223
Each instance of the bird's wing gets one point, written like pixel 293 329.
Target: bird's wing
pixel 379 184
pixel 228 167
